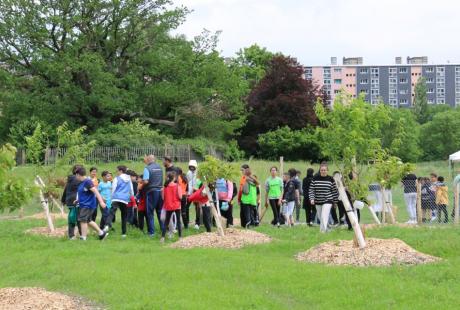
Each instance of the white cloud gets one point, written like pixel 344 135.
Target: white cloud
pixel 313 31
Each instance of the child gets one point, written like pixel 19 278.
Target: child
pixel 248 198
pixel 193 185
pixel 182 181
pixel 442 199
pixel 172 196
pixel 274 194
pixel 225 195
pixel 122 191
pixel 68 198
pixel 132 205
pixel 93 177
pixel 201 198
pixel 86 198
pixel 141 204
pixel 291 196
pixel 427 199
pixel 105 188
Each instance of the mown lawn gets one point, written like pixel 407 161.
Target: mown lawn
pixel 140 273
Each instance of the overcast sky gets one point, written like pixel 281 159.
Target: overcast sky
pixel 315 30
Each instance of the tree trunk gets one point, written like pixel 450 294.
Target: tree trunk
pixel 44 203
pixel 374 216
pixel 216 215
pixel 386 206
pixel 351 215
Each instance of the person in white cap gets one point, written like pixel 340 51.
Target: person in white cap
pixel 193 185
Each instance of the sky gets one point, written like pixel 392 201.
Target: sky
pixel 313 31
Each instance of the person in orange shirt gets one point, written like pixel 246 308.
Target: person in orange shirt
pixel 182 181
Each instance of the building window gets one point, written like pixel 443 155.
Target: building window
pixel 338 70
pixel 440 91
pixel 403 91
pixel 336 91
pixel 374 91
pixel 430 80
pixel 393 102
pixel 364 91
pixel 402 80
pixel 430 91
pixel 363 71
pixel 457 69
pixel 429 70
pixel 364 81
pixel 402 70
pixel 327 81
pixel 337 81
pixel 402 101
pixel 440 101
pixel 430 101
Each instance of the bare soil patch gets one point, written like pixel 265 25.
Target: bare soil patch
pixel 233 239
pixel 44 231
pixel 378 252
pixel 40 299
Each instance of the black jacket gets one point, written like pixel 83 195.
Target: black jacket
pixel 70 191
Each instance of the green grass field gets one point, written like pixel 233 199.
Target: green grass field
pixel 140 273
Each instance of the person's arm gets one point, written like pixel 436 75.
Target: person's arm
pixel 179 192
pixel 146 176
pixel 98 196
pixel 64 194
pixel 311 192
pixel 114 185
pixel 131 188
pixel 335 192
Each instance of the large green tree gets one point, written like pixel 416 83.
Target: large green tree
pixel 99 62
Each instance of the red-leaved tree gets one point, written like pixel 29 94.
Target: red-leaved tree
pixel 282 98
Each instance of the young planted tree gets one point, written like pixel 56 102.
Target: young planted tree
pixel 209 172
pixel 14 191
pixel 389 170
pixel 349 135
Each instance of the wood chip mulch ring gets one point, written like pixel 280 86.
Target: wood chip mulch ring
pixel 233 239
pixel 378 252
pixel 44 231
pixel 40 299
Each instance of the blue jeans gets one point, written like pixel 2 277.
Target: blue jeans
pixel 153 202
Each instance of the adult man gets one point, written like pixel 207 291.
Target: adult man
pixel 409 183
pixel 168 164
pixel 153 183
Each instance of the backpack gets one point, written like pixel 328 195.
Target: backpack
pixel 222 189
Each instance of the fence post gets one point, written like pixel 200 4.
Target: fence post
pixel 456 212
pixel 419 202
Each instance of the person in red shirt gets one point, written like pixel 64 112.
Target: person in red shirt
pixel 141 216
pixel 172 196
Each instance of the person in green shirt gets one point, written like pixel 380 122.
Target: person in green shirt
pixel 274 194
pixel 248 198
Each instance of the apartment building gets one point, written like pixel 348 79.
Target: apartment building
pixel 391 84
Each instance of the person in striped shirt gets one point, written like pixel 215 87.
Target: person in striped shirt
pixel 323 194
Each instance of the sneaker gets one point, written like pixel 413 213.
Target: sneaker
pixel 170 235
pixel 106 228
pixel 278 225
pixel 162 240
pixel 73 238
pixel 103 236
pixel 197 226
pixel 433 219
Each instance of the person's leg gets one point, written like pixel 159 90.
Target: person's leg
pixel 95 227
pixel 297 212
pixel 291 208
pixel 179 225
pixel 273 203
pixel 158 205
pixel 334 215
pixel 140 220
pixel 113 209
pixel 326 210
pixel 167 220
pixel 342 212
pixel 414 206
pixel 84 230
pixel 149 212
pixel 129 215
pixel 446 216
pixel 197 214
pixel 408 199
pixel 319 211
pixel 71 222
pixel 124 217
pixel 94 216
pixel 184 211
pixel 247 215
pixel 207 217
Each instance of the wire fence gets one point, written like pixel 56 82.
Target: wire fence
pixel 179 153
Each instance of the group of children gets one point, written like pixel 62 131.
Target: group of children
pixel 434 199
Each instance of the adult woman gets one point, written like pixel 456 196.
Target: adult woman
pixel 310 210
pixel 274 194
pixel 323 193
